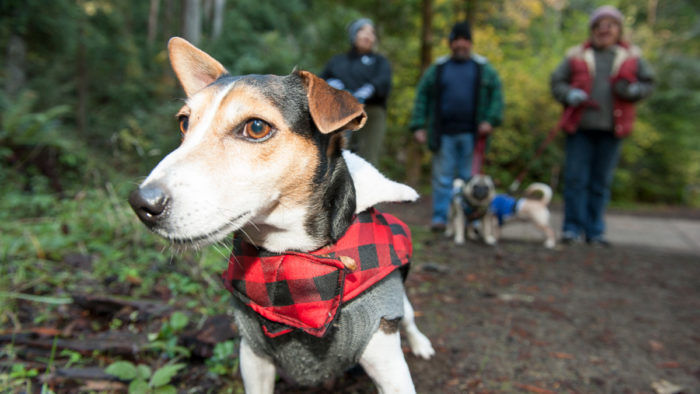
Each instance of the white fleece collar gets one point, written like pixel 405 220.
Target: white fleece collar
pixel 371 187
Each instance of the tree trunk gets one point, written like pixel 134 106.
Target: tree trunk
pixel 471 11
pixel 81 83
pixel 169 19
pixel 153 22
pixel 191 21
pixel 426 43
pixel 16 56
pixel 415 150
pixel 652 5
pixel 218 19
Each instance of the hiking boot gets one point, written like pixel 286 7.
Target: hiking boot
pixel 570 238
pixel 598 242
pixel 437 227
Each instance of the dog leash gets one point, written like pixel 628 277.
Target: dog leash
pixel 543 145
pixel 478 155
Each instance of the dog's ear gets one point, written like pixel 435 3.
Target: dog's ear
pixel 331 109
pixel 194 68
pixel 371 187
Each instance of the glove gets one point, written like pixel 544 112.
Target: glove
pixel 364 92
pixel 627 90
pixel 336 83
pixel 575 97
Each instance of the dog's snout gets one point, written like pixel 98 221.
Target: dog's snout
pixel 480 192
pixel 149 203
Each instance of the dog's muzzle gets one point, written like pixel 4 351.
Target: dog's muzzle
pixel 480 192
pixel 150 203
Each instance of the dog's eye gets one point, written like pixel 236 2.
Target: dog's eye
pixel 257 129
pixel 184 122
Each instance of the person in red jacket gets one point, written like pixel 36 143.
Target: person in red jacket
pixel 599 83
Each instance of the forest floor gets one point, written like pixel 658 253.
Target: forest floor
pixel 516 318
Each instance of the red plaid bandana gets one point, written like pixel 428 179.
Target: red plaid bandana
pixel 304 290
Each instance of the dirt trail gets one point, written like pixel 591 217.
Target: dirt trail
pixel 519 318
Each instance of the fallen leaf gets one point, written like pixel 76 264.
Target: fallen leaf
pixel 474 383
pixel 670 364
pixel 656 346
pixel 517 331
pixel 102 385
pixel 516 297
pixel 447 299
pixel 560 355
pixel 533 389
pixel 46 331
pixel 666 387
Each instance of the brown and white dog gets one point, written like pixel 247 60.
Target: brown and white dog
pixel 480 195
pixel 262 156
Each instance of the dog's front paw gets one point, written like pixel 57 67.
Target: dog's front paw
pixel 550 243
pixel 490 240
pixel 420 345
pixel 459 240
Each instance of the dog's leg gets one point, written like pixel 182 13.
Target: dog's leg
pixel 459 223
pixel 258 372
pixel 550 242
pixel 472 231
pixel 384 362
pixel 420 344
pixel 541 220
pixel 450 227
pixel 489 229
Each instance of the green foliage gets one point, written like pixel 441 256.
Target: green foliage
pixel 101 67
pixel 166 339
pixel 19 378
pixel 20 124
pixel 224 361
pixel 142 380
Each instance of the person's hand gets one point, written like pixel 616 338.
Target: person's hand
pixel 575 97
pixel 336 83
pixel 485 128
pixel 627 90
pixel 420 136
pixel 364 92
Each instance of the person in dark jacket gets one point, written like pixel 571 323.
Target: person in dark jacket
pixel 598 82
pixel 367 75
pixel 458 100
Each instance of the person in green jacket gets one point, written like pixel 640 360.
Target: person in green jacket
pixel 458 101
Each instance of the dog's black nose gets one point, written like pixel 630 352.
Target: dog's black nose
pixel 149 203
pixel 480 192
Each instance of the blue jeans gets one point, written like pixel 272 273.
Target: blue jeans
pixel 591 158
pixel 454 159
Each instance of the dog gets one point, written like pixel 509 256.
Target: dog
pixel 261 157
pixel 469 203
pixel 498 209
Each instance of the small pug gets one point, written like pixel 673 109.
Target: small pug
pixel 469 204
pixel 479 192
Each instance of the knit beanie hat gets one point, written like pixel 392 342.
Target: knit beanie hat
pixel 461 29
pixel 355 26
pixel 605 11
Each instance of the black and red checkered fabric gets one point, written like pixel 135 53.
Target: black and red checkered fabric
pixel 304 290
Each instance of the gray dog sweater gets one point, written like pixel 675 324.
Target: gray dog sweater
pixel 308 360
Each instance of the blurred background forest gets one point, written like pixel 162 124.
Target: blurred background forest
pixel 89 82
pixel 87 105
